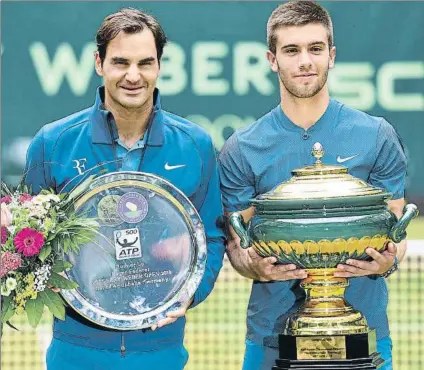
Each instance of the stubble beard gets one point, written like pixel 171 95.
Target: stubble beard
pixel 304 91
pixel 119 101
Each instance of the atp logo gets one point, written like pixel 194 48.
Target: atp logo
pixel 127 244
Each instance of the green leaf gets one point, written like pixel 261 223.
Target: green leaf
pixel 7 309
pixel 65 244
pixel 76 192
pixel 55 244
pixel 60 266
pixel 54 303
pixel 34 310
pixel 44 253
pixel 58 281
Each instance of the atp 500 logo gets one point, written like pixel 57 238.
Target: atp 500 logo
pixel 127 244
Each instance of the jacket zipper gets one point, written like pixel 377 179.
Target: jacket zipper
pixel 123 349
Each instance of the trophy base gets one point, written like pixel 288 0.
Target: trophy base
pixel 352 364
pixel 325 310
pixel 353 351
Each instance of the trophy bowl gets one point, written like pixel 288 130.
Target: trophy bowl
pixel 316 220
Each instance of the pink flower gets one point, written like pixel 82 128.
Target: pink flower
pixel 3 235
pixel 9 262
pixel 25 198
pixel 7 199
pixel 28 241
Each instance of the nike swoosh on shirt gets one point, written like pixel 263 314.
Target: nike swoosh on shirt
pixel 168 167
pixel 341 160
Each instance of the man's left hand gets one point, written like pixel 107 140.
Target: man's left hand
pixel 379 265
pixel 173 316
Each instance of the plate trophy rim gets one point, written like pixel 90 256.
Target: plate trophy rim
pixel 186 290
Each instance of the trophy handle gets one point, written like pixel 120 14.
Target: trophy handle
pixel 239 226
pixel 398 231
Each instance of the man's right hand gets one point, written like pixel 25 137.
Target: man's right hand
pixel 251 265
pixel 265 268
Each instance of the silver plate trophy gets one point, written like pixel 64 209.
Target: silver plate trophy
pixel 148 258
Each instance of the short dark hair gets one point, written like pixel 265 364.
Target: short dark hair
pixel 297 13
pixel 129 20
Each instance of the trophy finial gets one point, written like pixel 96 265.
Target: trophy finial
pixel 318 152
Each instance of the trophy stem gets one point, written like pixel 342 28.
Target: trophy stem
pixel 325 311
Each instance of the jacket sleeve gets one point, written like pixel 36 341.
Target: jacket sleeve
pixel 237 182
pixel 390 166
pixel 210 211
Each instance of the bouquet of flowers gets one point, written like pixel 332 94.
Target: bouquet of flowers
pixel 36 233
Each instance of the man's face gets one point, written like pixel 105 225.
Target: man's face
pixel 302 59
pixel 130 69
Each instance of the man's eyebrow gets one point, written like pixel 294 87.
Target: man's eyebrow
pixel 310 44
pixel 317 43
pixel 119 60
pixel 140 62
pixel 146 60
pixel 289 46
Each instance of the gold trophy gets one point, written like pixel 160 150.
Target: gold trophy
pixel 316 220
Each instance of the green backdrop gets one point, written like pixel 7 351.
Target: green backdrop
pixel 214 71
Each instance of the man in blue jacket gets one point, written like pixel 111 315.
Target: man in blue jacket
pixel 260 156
pixel 126 129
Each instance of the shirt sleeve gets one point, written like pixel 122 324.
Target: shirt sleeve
pixel 390 165
pixel 237 183
pixel 210 211
pixel 36 174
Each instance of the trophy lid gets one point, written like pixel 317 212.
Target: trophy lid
pixel 321 182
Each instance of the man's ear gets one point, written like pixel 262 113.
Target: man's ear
pixel 272 61
pixel 332 57
pixel 98 64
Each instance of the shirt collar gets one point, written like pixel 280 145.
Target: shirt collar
pixel 328 116
pixel 139 144
pixel 99 126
